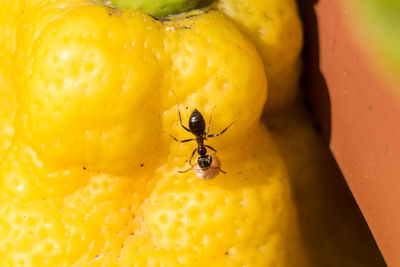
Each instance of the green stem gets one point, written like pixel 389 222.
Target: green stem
pixel 159 8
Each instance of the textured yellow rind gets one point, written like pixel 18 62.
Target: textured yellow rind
pixel 218 222
pixel 7 108
pixel 90 178
pixel 8 24
pixel 276 30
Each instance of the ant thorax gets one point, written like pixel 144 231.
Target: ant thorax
pixel 206 173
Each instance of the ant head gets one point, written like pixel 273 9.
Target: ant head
pixel 204 162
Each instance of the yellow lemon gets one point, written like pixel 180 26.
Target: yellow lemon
pixel 91 177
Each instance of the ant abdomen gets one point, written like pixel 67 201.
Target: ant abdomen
pixel 197 125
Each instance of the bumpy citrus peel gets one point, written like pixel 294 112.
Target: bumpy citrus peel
pixel 91 179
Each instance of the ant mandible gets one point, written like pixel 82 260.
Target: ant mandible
pixel 197 127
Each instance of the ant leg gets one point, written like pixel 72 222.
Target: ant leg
pixel 211 148
pixel 179 113
pixel 224 130
pixel 180 120
pixel 209 123
pixel 224 172
pixel 186 170
pixel 190 162
pixel 191 157
pixel 180 141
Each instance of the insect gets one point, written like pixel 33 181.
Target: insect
pixel 197 127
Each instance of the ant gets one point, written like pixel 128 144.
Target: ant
pixel 197 127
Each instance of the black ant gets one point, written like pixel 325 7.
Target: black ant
pixel 197 127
